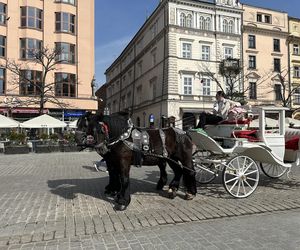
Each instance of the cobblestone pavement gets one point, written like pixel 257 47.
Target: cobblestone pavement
pixel 59 197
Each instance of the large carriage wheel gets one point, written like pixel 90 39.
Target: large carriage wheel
pixel 240 176
pixel 273 171
pixel 205 173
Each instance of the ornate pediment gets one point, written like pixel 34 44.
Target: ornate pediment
pixel 253 75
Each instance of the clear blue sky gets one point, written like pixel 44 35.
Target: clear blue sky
pixel 117 21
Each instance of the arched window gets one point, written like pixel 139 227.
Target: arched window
pixel 230 27
pixel 207 23
pixel 189 21
pixel 225 26
pixel 182 19
pixel 201 23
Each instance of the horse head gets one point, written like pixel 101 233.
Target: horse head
pixel 91 130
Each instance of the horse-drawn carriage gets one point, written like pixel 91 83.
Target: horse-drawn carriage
pixel 230 148
pixel 237 150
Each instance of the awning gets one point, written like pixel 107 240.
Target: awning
pixel 43 121
pixel 27 111
pixel 6 122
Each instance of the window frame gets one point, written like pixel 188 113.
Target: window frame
pixel 205 54
pixel 3 80
pixel 278 94
pixel 253 90
pixel 69 83
pixel 3 46
pixel 25 51
pixel 61 23
pixel 251 41
pixel 277 66
pixel 3 15
pixel 70 54
pixel 296 96
pixel 185 52
pixel 296 50
pixel 24 90
pixel 67 2
pixel 36 19
pixel 226 54
pixel 187 86
pixel 206 86
pixel 276 45
pixel 252 62
pixel 296 72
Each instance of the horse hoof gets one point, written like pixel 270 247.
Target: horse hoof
pixel 171 193
pixel 120 207
pixel 189 196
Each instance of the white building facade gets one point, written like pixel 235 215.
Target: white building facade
pixel 163 72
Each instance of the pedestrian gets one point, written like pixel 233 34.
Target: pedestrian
pixel 219 113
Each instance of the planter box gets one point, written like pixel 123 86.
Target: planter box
pixel 68 148
pixel 46 148
pixel 16 150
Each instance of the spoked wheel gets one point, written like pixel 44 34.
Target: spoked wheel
pixel 241 176
pixel 205 173
pixel 273 171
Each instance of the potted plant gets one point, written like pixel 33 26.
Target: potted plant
pixel 17 144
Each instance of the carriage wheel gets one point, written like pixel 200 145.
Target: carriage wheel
pixel 205 173
pixel 241 176
pixel 273 171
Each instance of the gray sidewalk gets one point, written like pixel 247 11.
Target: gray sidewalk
pixel 50 197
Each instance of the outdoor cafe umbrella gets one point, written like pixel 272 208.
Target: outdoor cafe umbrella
pixel 43 121
pixel 73 124
pixel 6 122
pixel 292 121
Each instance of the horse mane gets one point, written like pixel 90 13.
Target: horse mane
pixel 117 124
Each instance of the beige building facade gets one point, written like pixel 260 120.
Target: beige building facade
pixel 294 51
pixel 162 73
pixel 266 54
pixel 34 24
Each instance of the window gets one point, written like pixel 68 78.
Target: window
pixel 205 53
pixel 29 48
pixel 65 85
pixel 207 23
pixel 128 99
pixel 297 72
pixel 278 94
pixel 140 68
pixel 251 42
pixel 30 82
pixel 153 84
pixel 277 66
pixel 182 19
pixel 206 86
pixel 228 53
pixel 31 17
pixel 139 94
pixel 201 23
pixel 252 62
pixel 2 13
pixel 268 19
pixel 64 22
pixel 66 52
pixel 73 2
pixel 187 85
pixel 154 29
pixel 225 26
pixel 296 49
pixel 230 27
pixel 187 50
pixel 153 55
pixel 2 46
pixel 2 81
pixel 189 21
pixel 252 90
pixel 259 17
pixel 276 45
pixel 297 96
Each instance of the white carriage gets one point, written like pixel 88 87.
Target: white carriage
pixel 220 150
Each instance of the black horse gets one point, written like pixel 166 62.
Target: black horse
pixel 111 138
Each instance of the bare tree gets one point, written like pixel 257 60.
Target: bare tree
pixel 45 61
pixel 235 76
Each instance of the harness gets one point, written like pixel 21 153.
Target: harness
pixel 136 139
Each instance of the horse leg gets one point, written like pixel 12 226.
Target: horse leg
pixel 163 175
pixel 189 179
pixel 123 197
pixel 174 184
pixel 113 186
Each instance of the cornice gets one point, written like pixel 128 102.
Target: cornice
pixel 247 28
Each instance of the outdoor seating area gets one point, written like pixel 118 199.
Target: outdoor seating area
pixel 42 134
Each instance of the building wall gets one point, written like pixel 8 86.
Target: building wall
pixel 265 33
pixel 83 39
pixel 170 69
pixel 294 50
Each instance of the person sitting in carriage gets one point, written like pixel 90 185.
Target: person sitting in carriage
pixel 220 112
